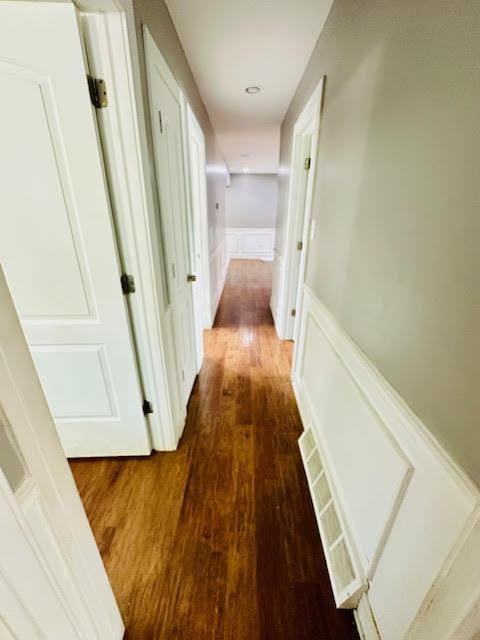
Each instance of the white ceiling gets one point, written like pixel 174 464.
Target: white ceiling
pixel 231 45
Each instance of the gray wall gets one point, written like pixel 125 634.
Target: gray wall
pixel 251 200
pixel 155 15
pixel 396 256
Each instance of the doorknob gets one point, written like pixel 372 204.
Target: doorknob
pixel 191 277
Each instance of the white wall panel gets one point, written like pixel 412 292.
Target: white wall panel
pixel 253 243
pixel 405 503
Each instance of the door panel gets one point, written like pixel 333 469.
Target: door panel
pixel 199 224
pixel 57 244
pixel 166 119
pixel 304 150
pixel 52 581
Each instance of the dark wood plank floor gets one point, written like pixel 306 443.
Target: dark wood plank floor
pixel 218 540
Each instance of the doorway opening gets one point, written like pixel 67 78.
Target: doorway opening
pixel 291 253
pixel 250 218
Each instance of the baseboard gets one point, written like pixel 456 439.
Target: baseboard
pixel 406 505
pixel 250 243
pixel 366 625
pixel 254 256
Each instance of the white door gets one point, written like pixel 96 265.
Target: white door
pixel 56 243
pixel 199 225
pixel 166 118
pixel 53 585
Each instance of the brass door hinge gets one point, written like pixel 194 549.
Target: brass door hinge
pixel 293 313
pixel 308 162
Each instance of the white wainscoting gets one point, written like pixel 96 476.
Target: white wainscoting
pixel 277 293
pixel 404 503
pixel 250 243
pixel 218 272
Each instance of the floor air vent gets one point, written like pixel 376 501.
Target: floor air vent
pixel 345 577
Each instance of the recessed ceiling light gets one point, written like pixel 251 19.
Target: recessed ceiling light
pixel 253 89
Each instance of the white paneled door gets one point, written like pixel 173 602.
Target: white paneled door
pixel 199 226
pixel 53 585
pixel 57 244
pixel 166 116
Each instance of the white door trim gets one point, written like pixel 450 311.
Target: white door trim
pixel 290 288
pixel 113 56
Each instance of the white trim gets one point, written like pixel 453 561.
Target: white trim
pixel 365 621
pixel 289 287
pixel 451 609
pixel 219 266
pixel 410 511
pixel 277 285
pixel 113 57
pixel 252 243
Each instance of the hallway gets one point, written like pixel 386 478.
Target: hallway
pixel 218 539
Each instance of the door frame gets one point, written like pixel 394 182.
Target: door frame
pixel 290 288
pixel 111 45
pixel 193 134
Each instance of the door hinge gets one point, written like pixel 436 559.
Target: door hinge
pixel 147 407
pixel 98 92
pixel 160 121
pixel 308 162
pixel 299 245
pixel 128 283
pixel 293 313
pixel 191 277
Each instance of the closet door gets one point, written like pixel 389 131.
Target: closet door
pixel 166 117
pixel 57 244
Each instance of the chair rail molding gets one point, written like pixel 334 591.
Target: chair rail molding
pixel 410 513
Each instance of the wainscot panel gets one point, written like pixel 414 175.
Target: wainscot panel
pixel 402 501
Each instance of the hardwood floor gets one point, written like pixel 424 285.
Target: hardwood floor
pixel 218 540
